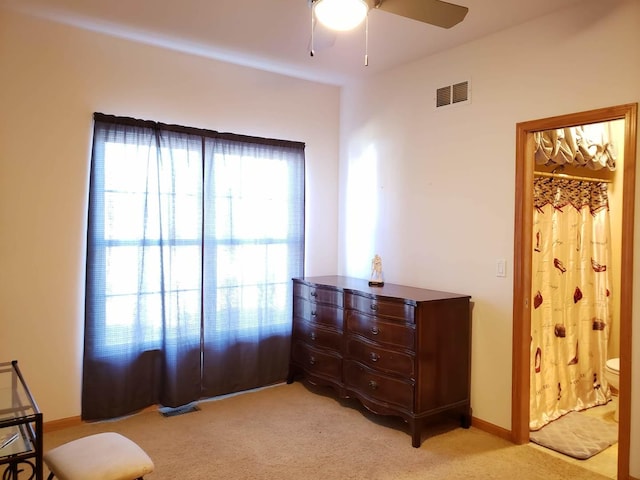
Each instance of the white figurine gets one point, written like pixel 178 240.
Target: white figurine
pixel 376 272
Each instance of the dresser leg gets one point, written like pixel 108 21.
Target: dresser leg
pixel 416 433
pixel 291 376
pixel 465 420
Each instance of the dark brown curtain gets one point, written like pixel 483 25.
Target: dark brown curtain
pixel 193 239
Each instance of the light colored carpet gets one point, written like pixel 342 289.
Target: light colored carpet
pixel 288 432
pixel 576 435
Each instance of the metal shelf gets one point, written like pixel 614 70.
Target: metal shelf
pixel 19 414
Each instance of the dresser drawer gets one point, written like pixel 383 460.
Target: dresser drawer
pixel 381 331
pixel 317 336
pixel 381 359
pixel 328 315
pixel 378 386
pixel 315 294
pixel 382 308
pixel 317 362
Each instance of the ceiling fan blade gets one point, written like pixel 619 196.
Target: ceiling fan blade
pixel 434 12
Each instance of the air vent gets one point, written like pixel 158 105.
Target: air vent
pixel 443 96
pixel 452 94
pixel 460 92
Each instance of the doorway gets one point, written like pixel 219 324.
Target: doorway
pixel 522 266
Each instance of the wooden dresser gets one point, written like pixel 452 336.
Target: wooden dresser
pixel 399 350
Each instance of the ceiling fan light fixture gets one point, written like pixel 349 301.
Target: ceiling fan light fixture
pixel 341 15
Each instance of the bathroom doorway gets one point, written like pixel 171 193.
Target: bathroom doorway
pixel 523 265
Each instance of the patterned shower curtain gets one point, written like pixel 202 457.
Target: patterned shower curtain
pixel 571 291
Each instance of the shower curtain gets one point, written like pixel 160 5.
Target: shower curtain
pixel 570 315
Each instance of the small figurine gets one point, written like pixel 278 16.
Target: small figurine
pixel 376 272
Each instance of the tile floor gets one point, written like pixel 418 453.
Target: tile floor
pixel 606 462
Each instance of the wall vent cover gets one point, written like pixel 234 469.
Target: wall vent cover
pixel 452 94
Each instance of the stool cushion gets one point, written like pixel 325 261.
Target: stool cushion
pixel 103 456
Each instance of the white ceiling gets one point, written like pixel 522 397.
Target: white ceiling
pixel 275 35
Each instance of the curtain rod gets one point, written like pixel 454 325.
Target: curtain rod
pixel 571 177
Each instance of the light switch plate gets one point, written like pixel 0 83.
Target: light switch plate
pixel 501 268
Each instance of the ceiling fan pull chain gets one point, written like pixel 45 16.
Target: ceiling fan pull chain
pixel 366 40
pixel 311 52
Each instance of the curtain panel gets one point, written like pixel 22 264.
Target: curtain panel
pixel 193 238
pixel 571 314
pixel 587 146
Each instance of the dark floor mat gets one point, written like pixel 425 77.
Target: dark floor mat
pixel 173 411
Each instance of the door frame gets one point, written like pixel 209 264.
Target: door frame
pixel 522 267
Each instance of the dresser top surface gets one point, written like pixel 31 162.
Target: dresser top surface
pixel 387 290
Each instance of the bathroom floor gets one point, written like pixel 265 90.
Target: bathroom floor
pixel 606 462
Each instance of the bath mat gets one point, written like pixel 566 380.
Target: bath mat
pixel 577 435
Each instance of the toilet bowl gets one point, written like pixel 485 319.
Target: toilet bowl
pixel 612 374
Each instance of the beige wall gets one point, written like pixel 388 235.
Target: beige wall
pixel 439 206
pixel 52 79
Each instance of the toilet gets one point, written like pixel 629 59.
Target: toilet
pixel 612 374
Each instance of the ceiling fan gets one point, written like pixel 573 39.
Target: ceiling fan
pixel 434 12
pixel 342 15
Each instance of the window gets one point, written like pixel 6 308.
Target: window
pixel 193 239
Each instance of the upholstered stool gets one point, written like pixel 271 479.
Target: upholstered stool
pixel 103 456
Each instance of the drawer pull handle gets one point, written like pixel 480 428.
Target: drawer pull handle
pixel 375 330
pixel 373 385
pixel 312 360
pixel 314 294
pixel 314 314
pixel 374 356
pixel 374 307
pixel 313 336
